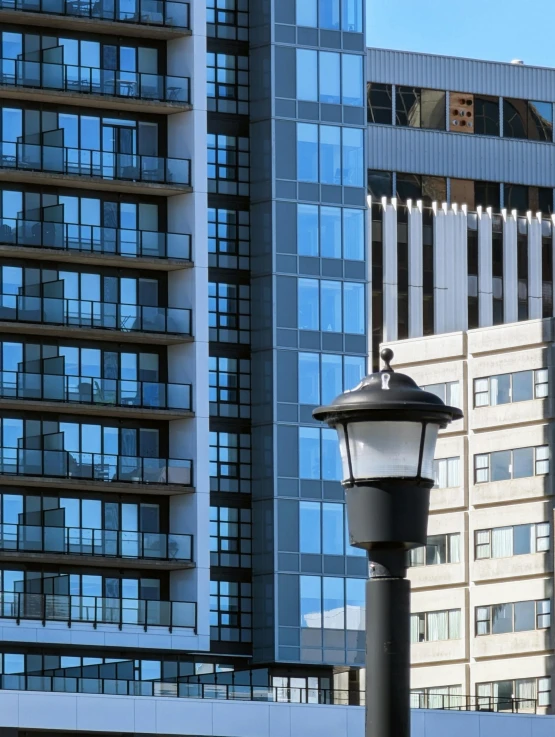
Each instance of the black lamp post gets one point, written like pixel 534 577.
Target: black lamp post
pixel 387 428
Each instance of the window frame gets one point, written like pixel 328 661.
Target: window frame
pixel 486 459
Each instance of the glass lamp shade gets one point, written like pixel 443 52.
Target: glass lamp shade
pixel 379 450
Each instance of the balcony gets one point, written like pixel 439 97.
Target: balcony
pixel 85 168
pixel 82 85
pixel 115 548
pixel 139 18
pixel 118 322
pixel 96 396
pixel 97 610
pixel 86 243
pixel 95 471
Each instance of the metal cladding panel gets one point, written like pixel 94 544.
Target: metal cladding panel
pixel 461 75
pixel 440 153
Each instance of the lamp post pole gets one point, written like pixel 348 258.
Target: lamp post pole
pixel 387 428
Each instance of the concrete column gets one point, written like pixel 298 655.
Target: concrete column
pixel 485 268
pixel 416 271
pixel 390 289
pixel 510 267
pixel 459 272
pixel 534 265
pixel 369 282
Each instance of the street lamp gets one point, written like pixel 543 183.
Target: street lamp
pixel 387 428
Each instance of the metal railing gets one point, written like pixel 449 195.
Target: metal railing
pixel 84 313
pixel 459 702
pixel 94 81
pixel 164 13
pixel 90 163
pixel 97 610
pixel 65 464
pixel 92 541
pixel 95 239
pixel 91 390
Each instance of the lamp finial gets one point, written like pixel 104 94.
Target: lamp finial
pixel 387 356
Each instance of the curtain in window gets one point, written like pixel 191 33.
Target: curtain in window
pixel 542 533
pixel 542 460
pixel 502 542
pixel 455 696
pixel 441 477
pixel 418 556
pixel 414 628
pixel 453 471
pixel 526 691
pixel 438 697
pixel 544 691
pixel 438 626
pixel 455 624
pixel 454 548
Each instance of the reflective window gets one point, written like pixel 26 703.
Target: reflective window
pixel 230 611
pixel 307 75
pixel 379 103
pixel 329 14
pixel 228 165
pixel 486 115
pixel 448 392
pixel 227 83
pixel 504 542
pixel 521 616
pixel 324 601
pixel 228 238
pixel 380 184
pixel 439 549
pixel 330 154
pixel 309 309
pixel 352 80
pixel 230 462
pixel 521 386
pixel 230 537
pixel 524 119
pixel 420 108
pixel 319 454
pixel 352 16
pixel 229 312
pixel 435 626
pixel 322 377
pixel 511 464
pixel 310 527
pixel 330 77
pixel 230 387
pixel 307 152
pixel 307 13
pixel 320 306
pixel 330 232
pixel 227 19
pixel 447 473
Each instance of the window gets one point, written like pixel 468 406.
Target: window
pixel 227 83
pixel 415 187
pixel 230 611
pixel 330 154
pixel 525 119
pixel 446 473
pixel 330 232
pixel 326 14
pixel 227 19
pixel 437 697
pixel 307 13
pixel 352 16
pixel 379 184
pixel 332 603
pixel 435 626
pixel 521 616
pixel 230 537
pixel 448 392
pixel 320 306
pixel 439 549
pixel 307 75
pixel 505 388
pixel 379 99
pixel 319 454
pixel 230 462
pixel 228 165
pixel 520 695
pixel 504 542
pixel 322 377
pixel 329 77
pixel 486 116
pixel 418 108
pixel 229 312
pixel 511 464
pixel 321 528
pixel 228 238
pixel 230 387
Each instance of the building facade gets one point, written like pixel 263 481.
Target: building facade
pixel 483 586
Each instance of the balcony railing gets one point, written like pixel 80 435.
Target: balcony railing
pixel 180 689
pixel 93 81
pixel 95 239
pixel 83 313
pixel 104 543
pixel 97 610
pixel 66 464
pixel 91 390
pixel 461 702
pixel 165 13
pixel 88 163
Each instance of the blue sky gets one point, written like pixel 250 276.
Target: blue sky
pixel 499 30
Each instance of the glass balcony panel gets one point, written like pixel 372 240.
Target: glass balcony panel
pixel 190 690
pixel 178 321
pixel 183 613
pixel 153 394
pixel 30 538
pixel 64 685
pixel 13 682
pixel 55 539
pixel 178 171
pixel 90 685
pixel 133 611
pixel 179 472
pixel 177 14
pixel 154 545
pixel 154 470
pixel 9 602
pixel 141 688
pixel 177 89
pixel 158 613
pixel 179 396
pixel 129 394
pixel 129 468
pixel 153 319
pixel 9 460
pixel 103 391
pixel 8 384
pixel 39 683
pixel 180 547
pixel 56 607
pixel 8 536
pixel 152 169
pixel 106 542
pixel 51 386
pixel 80 541
pixel 130 544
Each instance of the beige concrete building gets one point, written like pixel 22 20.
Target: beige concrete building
pixel 483 587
